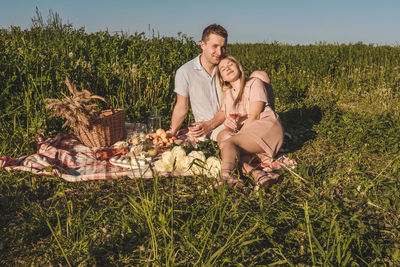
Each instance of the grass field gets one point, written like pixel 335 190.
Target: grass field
pixel 340 207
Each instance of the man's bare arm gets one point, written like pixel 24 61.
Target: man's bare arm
pixel 263 76
pixel 178 115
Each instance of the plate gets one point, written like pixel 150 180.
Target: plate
pixel 129 162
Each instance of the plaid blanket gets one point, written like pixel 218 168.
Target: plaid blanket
pixel 66 157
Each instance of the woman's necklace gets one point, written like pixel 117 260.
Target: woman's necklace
pixel 234 92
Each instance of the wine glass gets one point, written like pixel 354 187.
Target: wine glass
pixel 141 129
pixel 235 114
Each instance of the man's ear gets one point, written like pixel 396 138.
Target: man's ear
pixel 202 44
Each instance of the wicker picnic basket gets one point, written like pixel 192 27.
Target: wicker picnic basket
pixel 104 131
pixel 93 128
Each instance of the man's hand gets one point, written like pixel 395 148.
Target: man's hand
pixel 201 128
pixel 262 75
pixel 204 127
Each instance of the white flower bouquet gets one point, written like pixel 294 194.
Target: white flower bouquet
pixel 194 163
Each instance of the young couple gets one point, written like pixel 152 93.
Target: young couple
pixel 227 107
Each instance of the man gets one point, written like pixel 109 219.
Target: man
pixel 196 82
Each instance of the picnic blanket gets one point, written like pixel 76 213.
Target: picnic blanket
pixel 68 158
pixel 65 156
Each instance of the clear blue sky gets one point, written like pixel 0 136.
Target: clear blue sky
pixel 247 21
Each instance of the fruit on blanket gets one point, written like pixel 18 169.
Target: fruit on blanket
pixel 161 138
pixel 136 150
pixel 160 131
pixel 107 153
pixel 152 152
pixel 120 145
pixel 178 141
pixel 134 140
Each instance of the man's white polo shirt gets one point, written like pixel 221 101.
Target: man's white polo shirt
pixel 202 89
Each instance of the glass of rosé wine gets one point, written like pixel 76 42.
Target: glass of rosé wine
pixel 235 115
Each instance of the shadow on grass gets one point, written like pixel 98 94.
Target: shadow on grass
pixel 119 249
pixel 298 124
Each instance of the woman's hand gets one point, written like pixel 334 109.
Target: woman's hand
pixel 232 123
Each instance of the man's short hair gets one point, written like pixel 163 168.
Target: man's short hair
pixel 215 29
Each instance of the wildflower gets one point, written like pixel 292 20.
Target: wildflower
pixel 197 160
pixel 213 166
pixel 161 166
pixel 178 152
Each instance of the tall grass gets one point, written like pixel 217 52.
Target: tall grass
pixel 339 207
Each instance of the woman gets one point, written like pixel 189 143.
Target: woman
pixel 252 126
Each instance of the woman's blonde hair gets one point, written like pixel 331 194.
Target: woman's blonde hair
pixel 226 85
